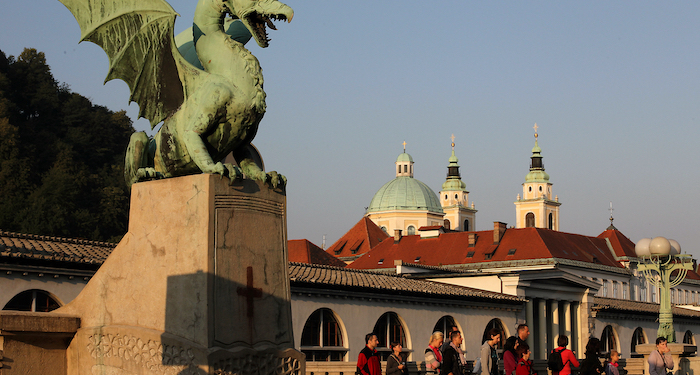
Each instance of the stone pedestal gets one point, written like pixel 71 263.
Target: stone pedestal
pixel 199 285
pixel 679 353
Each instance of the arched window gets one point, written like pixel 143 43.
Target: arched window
pixel 466 225
pixel 551 221
pixel 530 220
pixel 445 325
pixel 637 338
pixel 322 337
pixel 608 341
pixel 495 323
pixel 33 300
pixel 411 230
pixel 688 338
pixel 385 230
pixel 446 224
pixel 388 329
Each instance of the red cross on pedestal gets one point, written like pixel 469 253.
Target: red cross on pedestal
pixel 249 292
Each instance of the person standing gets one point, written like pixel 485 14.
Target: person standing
pixel 433 356
pixel 510 359
pixel 395 364
pixel 523 333
pixel 525 363
pixel 660 360
pixel 611 368
pixel 451 361
pixel 591 364
pixel 568 357
pixel 447 342
pixel 488 355
pixel 368 360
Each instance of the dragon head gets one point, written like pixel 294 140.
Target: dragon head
pixel 257 15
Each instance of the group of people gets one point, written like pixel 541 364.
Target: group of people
pixel 444 356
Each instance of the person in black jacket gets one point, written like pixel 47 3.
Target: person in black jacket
pixel 452 363
pixel 591 365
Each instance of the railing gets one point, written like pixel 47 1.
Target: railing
pixel 631 366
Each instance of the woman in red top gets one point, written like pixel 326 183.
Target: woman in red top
pixel 524 366
pixel 567 356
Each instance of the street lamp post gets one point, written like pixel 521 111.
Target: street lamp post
pixel 659 259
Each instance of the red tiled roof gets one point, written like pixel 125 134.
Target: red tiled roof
pixel 431 227
pixel 35 247
pixel 516 244
pixel 303 251
pixel 358 240
pixel 622 245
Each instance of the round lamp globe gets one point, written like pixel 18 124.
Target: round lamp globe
pixel 642 247
pixel 659 246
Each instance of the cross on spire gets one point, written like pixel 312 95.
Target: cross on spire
pixel 404 147
pixel 453 142
pixel 535 127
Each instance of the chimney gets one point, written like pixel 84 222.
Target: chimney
pixel 498 230
pixel 472 239
pixel 397 235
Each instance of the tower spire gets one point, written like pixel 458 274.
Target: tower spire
pixel 454 197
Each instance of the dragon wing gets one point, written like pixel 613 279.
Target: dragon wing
pixel 137 36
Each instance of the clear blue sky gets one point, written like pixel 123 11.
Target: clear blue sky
pixel 614 87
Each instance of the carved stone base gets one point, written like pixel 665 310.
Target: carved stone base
pixel 199 285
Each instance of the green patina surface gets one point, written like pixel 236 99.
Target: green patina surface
pixel 405 193
pixel 208 110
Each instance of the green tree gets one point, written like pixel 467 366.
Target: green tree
pixel 61 157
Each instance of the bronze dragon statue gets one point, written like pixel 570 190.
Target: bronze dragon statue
pixel 207 114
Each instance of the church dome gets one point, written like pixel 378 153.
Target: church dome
pixel 405 193
pixel 404 158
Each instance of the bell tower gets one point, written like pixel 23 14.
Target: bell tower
pixel 454 199
pixel 536 208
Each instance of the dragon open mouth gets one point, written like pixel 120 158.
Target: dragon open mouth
pixel 259 24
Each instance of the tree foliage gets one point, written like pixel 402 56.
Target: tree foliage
pixel 61 157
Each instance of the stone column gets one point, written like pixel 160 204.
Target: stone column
pixel 554 322
pixel 566 311
pixel 541 330
pixel 530 320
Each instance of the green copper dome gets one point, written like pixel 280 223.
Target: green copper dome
pixel 405 193
pixel 404 157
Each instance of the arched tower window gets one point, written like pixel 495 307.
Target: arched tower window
pixel 446 224
pixel 530 220
pixel 411 230
pixel 637 338
pixel 34 300
pixel 608 341
pixel 385 230
pixel 322 337
pixel 388 329
pixel 495 323
pixel 445 325
pixel 466 225
pixel 688 338
pixel 551 221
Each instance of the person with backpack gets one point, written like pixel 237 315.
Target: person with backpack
pixel 591 364
pixel 561 358
pixel 525 363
